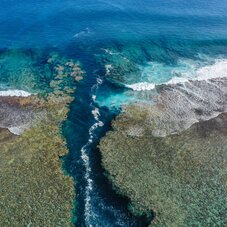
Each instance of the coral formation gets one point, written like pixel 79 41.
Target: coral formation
pixel 34 190
pixel 180 177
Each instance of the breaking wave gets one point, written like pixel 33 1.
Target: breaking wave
pixel 178 106
pixel 17 93
pixel 188 97
pixel 142 86
pixel 216 70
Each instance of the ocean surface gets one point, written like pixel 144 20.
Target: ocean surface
pixel 126 48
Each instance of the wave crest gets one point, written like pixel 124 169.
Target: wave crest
pixel 17 93
pixel 216 70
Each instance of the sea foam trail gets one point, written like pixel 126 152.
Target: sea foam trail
pixel 216 70
pixel 86 160
pixel 16 93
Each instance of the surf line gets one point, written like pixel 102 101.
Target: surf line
pixel 15 93
pixel 216 70
pixel 85 154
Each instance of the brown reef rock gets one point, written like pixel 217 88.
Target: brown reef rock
pixel 34 190
pixel 170 159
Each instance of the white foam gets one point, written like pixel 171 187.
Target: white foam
pixel 216 70
pixel 15 93
pixel 95 113
pixel 141 86
pixel 16 130
pixel 86 159
pixel 108 68
pixel 177 80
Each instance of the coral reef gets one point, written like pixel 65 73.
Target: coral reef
pixel 34 190
pixel 119 67
pixel 182 178
pixel 21 69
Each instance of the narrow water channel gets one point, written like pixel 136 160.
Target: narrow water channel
pixel 97 204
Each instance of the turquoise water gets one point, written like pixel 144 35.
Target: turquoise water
pixel 143 41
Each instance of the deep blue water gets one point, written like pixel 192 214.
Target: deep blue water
pixel 161 39
pixel 57 22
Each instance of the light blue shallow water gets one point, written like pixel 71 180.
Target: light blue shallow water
pixel 146 41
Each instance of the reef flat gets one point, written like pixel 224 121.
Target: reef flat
pixel 18 113
pixel 179 173
pixel 34 189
